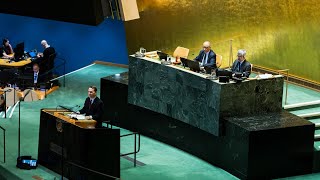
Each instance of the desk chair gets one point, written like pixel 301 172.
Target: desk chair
pixel 181 52
pixel 11 96
pixel 30 95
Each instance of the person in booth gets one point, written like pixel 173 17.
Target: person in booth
pixel 7 50
pixel 38 77
pixel 206 57
pixel 241 65
pixel 93 106
pixel 43 58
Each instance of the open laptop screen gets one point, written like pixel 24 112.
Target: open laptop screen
pixel 32 54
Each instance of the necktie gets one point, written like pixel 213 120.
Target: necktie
pixel 35 77
pixel 239 66
pixel 204 60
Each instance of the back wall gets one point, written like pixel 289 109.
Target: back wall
pixel 79 44
pixel 279 34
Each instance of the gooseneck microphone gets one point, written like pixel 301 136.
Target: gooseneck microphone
pixel 69 108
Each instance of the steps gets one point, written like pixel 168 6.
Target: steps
pixel 310 111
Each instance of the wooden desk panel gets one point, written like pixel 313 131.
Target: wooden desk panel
pixel 7 63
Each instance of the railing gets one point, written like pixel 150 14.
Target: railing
pixel 135 151
pixel 4 144
pixel 64 69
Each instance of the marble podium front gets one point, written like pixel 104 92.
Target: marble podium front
pixel 196 100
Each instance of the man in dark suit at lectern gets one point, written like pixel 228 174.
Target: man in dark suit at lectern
pixel 93 106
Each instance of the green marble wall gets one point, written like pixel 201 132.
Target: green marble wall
pixel 277 34
pixel 195 100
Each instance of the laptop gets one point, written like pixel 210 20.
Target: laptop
pixel 162 55
pixel 184 61
pixel 194 65
pixel 32 54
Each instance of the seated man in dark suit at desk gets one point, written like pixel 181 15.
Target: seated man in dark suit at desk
pixel 93 106
pixel 241 65
pixel 43 59
pixel 207 57
pixel 38 76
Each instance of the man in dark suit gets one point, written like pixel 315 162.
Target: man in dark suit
pixel 207 57
pixel 38 77
pixel 45 60
pixel 93 106
pixel 241 65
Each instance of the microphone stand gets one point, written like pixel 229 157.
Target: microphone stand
pixel 21 99
pixel 5 101
pixel 5 104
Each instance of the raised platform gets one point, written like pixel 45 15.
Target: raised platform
pixel 194 99
pixel 263 146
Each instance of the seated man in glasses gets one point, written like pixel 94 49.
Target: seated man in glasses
pixel 241 66
pixel 206 57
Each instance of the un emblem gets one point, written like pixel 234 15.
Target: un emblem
pixel 59 126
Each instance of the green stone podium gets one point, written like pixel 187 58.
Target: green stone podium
pixel 196 100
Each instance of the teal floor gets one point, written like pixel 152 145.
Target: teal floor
pixel 161 161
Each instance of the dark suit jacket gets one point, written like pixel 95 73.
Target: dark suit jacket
pixel 95 110
pixel 245 68
pixel 211 58
pixel 45 62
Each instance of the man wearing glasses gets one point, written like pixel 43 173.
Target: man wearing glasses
pixel 206 57
pixel 241 65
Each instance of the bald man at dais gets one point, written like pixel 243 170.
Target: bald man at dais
pixel 206 57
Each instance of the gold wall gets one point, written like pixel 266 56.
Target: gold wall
pixel 277 34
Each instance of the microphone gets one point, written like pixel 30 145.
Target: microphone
pixel 69 108
pixel 22 98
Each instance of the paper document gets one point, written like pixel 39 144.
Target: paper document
pixel 77 116
pixel 265 76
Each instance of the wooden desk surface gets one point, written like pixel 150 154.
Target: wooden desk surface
pixel 7 63
pixel 62 114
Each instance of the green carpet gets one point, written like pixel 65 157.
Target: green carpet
pixel 161 161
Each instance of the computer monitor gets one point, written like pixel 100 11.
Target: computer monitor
pixel 19 51
pixel 194 65
pixel 184 61
pixel 162 55
pixel 223 72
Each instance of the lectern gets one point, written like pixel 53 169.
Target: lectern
pixel 75 148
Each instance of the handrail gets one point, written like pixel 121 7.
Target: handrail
pixel 91 170
pixel 64 69
pixel 135 151
pixel 56 67
pixel 4 144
